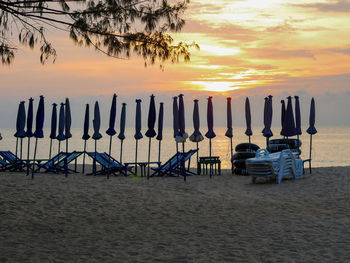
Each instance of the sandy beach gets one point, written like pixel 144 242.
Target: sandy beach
pixel 223 219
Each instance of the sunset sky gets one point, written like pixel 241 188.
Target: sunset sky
pixel 247 48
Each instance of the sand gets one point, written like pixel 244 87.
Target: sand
pixel 223 219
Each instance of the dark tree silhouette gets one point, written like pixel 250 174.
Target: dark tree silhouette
pixel 114 27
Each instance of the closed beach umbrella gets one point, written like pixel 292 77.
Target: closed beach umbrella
pixel 265 114
pixel 160 127
pixel 176 124
pixel 289 124
pixel 196 135
pixel 111 131
pixel 182 126
pixel 138 134
pixel 20 125
pixel 53 126
pixel 61 121
pixel 268 122
pixel 68 122
pixel 311 130
pixel 150 133
pixel 39 124
pixel 121 134
pixel 283 115
pixel 86 135
pixel 248 119
pixel 297 116
pixel 29 132
pixel 229 131
pixel 210 133
pixel 97 135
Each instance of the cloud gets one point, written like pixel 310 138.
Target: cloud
pixel 334 6
pixel 280 53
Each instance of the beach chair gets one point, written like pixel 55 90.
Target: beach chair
pixel 175 166
pixel 275 165
pixel 62 165
pixel 58 163
pixel 108 164
pixel 3 164
pixel 49 166
pixel 13 162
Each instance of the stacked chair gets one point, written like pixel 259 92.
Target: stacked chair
pixel 278 145
pixel 243 152
pixel 275 165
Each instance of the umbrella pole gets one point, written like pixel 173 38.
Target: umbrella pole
pixel 21 152
pixel 249 143
pixel 50 149
pixel 121 151
pixel 84 156
pixel 16 146
pixel 36 144
pixel 183 162
pixel 210 165
pixel 136 157
pixel 94 163
pixel 197 159
pixel 65 160
pixel 231 155
pixel 177 158
pixel 310 152
pixel 149 156
pixel 109 162
pixel 28 156
pixel 159 145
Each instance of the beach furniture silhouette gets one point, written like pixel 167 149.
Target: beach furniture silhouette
pixel 59 163
pixel 275 165
pixel 14 163
pixel 172 166
pixel 108 164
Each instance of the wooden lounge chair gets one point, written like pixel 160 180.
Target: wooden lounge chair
pixel 275 165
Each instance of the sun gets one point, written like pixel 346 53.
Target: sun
pixel 216 86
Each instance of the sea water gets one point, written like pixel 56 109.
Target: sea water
pixel 330 146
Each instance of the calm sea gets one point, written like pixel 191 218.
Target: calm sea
pixel 331 145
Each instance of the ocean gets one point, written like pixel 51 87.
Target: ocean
pixel 330 146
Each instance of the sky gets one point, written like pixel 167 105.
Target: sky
pixel 247 48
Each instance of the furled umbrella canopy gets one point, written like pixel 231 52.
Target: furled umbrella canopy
pixel 248 118
pixel 39 120
pixel 121 134
pixel 61 122
pixel 29 132
pixel 229 131
pixel 160 122
pixel 138 122
pixel 312 130
pixel 289 124
pixel 97 122
pixel 283 115
pixel 196 135
pixel 265 113
pixel 297 116
pixel 68 120
pixel 86 135
pixel 111 131
pixel 175 118
pixel 268 122
pixel 53 121
pixel 182 133
pixel 210 120
pixel 151 118
pixel 21 121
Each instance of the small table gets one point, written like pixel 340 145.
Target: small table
pixel 205 161
pixel 143 166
